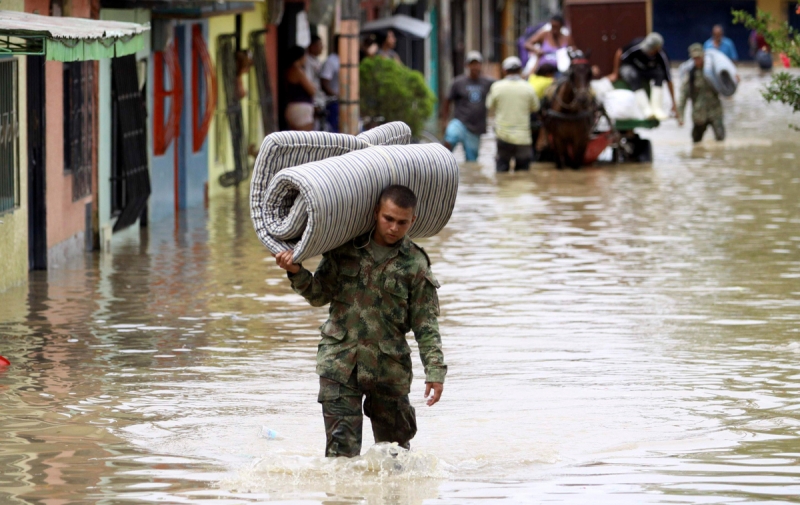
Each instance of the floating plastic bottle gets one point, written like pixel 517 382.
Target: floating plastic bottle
pixel 269 434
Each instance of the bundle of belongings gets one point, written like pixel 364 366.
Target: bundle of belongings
pixel 314 191
pixel 718 70
pixel 618 103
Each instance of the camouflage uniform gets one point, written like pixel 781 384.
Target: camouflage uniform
pixel 363 349
pixel 706 106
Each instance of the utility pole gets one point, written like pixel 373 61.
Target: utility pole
pixel 349 42
pixel 445 50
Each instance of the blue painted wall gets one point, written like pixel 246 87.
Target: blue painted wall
pixel 192 166
pixel 683 22
pixel 793 16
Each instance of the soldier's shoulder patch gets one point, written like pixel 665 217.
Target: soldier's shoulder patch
pixel 416 250
pixel 432 279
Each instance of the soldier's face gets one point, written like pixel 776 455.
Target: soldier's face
pixel 392 222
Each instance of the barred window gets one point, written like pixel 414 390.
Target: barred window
pixel 9 136
pixel 78 138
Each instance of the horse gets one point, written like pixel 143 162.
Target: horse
pixel 571 114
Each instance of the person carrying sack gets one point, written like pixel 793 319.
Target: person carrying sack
pixel 641 63
pixel 379 286
pixel 706 105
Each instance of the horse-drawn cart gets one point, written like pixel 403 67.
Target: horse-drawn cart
pixel 626 145
pixel 577 128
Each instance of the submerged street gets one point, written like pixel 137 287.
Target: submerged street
pixel 622 334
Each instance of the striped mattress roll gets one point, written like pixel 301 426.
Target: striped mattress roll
pixel 316 207
pixel 291 148
pixel 396 133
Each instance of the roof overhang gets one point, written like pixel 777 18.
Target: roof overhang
pixel 185 9
pixel 68 39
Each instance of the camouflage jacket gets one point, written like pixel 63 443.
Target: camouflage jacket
pixel 706 107
pixel 372 307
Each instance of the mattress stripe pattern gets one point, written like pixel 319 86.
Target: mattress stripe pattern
pixel 292 148
pixel 316 207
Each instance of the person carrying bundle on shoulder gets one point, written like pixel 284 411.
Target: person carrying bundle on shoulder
pixel 706 105
pixel 642 63
pixel 379 286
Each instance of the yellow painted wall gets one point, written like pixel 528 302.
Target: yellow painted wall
pixel 219 25
pixel 775 7
pixel 14 224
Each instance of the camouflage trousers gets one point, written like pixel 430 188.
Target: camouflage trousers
pixel 700 128
pixel 393 418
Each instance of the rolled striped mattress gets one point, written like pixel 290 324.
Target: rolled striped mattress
pixel 312 191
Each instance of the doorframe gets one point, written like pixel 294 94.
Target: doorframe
pixel 36 108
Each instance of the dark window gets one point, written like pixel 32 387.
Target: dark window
pixel 9 135
pixel 78 138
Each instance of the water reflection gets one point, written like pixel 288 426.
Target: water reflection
pixel 626 334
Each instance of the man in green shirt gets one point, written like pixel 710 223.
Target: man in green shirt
pixel 512 100
pixel 379 286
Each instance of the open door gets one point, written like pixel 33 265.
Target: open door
pixel 37 199
pixel 130 180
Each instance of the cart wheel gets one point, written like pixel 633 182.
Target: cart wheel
pixel 644 151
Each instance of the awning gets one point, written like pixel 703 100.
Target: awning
pixel 413 27
pixel 68 39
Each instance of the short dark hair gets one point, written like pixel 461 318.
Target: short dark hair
pixel 400 195
pixel 557 17
pixel 293 54
pixel 546 70
pixel 315 38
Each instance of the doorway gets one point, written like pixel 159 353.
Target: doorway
pixel 37 197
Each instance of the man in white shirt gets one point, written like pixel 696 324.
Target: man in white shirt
pixel 329 81
pixel 313 66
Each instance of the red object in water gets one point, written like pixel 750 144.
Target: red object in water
pixel 785 60
pixel 596 146
pixel 4 361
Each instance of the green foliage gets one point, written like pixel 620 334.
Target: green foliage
pixel 394 92
pixel 782 38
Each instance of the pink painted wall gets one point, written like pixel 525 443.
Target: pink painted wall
pixel 41 7
pixel 65 218
pixel 73 8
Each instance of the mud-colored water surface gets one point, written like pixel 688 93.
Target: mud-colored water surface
pixel 621 335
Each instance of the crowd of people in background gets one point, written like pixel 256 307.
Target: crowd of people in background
pixel 311 86
pixel 640 66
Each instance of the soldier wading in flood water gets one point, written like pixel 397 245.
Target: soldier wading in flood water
pixel 379 286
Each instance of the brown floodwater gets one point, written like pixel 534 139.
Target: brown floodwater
pixel 625 334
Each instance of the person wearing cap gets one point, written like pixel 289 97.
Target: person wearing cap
pixel 706 105
pixel 643 62
pixel 512 100
pixel 468 96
